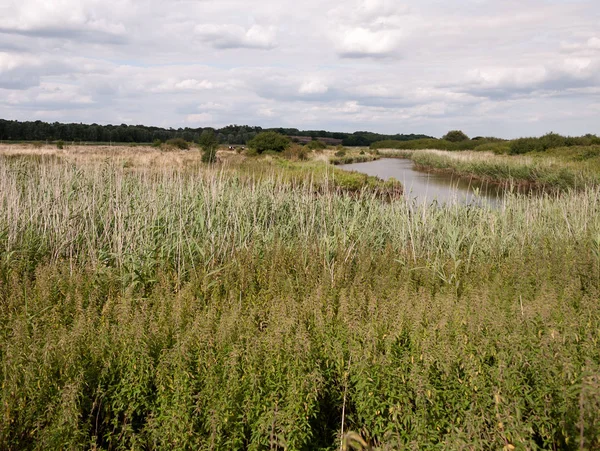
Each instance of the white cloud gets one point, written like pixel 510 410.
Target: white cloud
pixel 385 65
pixel 199 118
pixel 58 17
pixel 313 87
pixel 234 36
pixel 362 42
pixel 368 28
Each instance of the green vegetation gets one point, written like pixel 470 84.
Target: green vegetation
pixel 60 144
pixel 348 159
pixel 247 306
pixel 457 140
pixel 266 141
pixel 209 144
pixel 455 136
pixel 17 131
pixel 443 144
pixel 550 141
pixel 560 169
pixel 315 144
pixel 178 143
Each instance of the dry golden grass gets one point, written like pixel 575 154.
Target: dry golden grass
pixel 138 156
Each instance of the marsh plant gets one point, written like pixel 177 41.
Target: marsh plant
pixel 206 308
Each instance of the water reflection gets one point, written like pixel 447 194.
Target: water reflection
pixel 426 187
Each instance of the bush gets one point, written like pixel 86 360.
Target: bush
pixel 455 136
pixel 60 144
pixel 341 153
pixel 178 143
pixel 269 141
pixel 550 141
pixel 209 144
pixel 37 144
pixel 294 152
pixel 157 143
pixel 499 148
pixel 316 145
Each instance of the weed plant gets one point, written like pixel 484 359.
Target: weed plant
pixel 226 308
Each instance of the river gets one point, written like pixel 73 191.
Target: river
pixel 428 187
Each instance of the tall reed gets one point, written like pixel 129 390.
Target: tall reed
pixel 221 308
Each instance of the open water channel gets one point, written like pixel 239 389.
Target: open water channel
pixel 430 187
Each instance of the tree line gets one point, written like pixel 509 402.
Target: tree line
pixel 11 130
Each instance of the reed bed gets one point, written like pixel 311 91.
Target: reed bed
pixel 222 308
pixel 556 170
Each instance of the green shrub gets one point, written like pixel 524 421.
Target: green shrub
pixel 178 143
pixel 316 145
pixel 60 144
pixel 269 141
pixel 499 148
pixel 550 141
pixel 341 153
pixel 157 143
pixel 294 152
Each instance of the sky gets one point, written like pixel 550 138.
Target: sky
pixel 488 67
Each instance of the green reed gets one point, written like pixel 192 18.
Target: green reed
pixel 233 308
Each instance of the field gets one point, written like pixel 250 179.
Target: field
pixel 149 301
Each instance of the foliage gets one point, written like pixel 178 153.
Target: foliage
pixel 243 308
pixel 60 144
pixel 349 159
pixel 550 141
pixel 481 144
pixel 293 152
pixel 341 152
pixel 157 143
pixel 455 136
pixel 315 144
pixel 178 143
pixel 269 141
pixel 209 144
pixel 123 133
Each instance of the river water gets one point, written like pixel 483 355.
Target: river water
pixel 427 187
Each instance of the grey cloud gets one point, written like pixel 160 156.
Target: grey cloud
pixel 91 36
pixel 18 80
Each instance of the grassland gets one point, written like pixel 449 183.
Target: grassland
pixel 148 301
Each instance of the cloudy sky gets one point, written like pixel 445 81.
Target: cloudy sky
pixel 489 67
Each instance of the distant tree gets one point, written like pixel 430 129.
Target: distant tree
pixel 455 136
pixel 269 141
pixel 209 144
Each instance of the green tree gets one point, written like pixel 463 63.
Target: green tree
pixel 209 144
pixel 269 141
pixel 455 136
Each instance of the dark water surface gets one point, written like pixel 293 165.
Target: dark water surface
pixel 426 187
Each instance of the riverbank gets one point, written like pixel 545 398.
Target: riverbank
pixel 558 169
